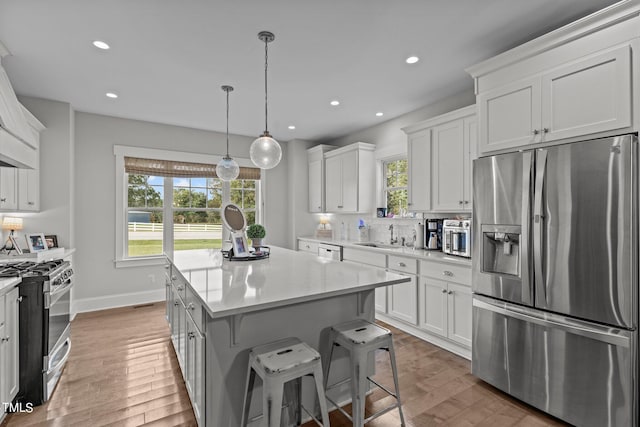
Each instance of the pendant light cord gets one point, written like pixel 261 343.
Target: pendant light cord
pixel 266 58
pixel 227 124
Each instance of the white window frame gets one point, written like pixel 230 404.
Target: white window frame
pixel 121 223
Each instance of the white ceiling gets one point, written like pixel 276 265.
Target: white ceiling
pixel 169 58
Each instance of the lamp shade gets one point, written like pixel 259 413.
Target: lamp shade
pixel 11 223
pixel 227 169
pixel 265 152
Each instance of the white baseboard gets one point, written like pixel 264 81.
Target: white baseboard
pixel 82 305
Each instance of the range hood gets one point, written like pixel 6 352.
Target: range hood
pixel 18 143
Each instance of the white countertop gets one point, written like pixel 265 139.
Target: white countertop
pixel 7 284
pixel 438 256
pixel 287 277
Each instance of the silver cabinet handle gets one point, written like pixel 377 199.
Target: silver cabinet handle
pixel 191 306
pixel 320 207
pixel 19 299
pixel 174 278
pixel 176 303
pixel 4 199
pixel 31 203
pixel 191 335
pixel 466 202
pixel 166 267
pixel 180 287
pixel 402 264
pixel 460 202
pixel 409 204
pixel 5 339
pixel 545 130
pixel 450 292
pixel 447 273
pixel 444 291
pixel 340 207
pixel 308 247
pixel 535 131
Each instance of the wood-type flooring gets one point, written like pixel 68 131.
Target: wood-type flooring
pixel 123 371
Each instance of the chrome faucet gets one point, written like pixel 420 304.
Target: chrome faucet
pixel 392 240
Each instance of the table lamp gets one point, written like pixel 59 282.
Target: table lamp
pixel 13 224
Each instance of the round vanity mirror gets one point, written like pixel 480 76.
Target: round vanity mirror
pixel 233 218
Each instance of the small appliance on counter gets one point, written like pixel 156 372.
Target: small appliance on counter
pixel 457 237
pixel 433 234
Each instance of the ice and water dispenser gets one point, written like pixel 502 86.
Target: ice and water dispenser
pixel 501 249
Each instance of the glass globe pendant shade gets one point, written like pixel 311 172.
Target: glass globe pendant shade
pixel 227 169
pixel 265 152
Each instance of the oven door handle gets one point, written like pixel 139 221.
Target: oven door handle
pixel 64 358
pixel 51 297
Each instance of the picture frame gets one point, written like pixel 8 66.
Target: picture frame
pixel 52 240
pixel 36 242
pixel 240 246
pixel 15 245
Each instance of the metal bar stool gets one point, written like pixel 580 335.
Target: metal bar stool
pixel 360 338
pixel 277 363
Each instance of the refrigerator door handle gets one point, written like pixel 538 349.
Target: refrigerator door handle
pixel 610 335
pixel 538 225
pixel 525 273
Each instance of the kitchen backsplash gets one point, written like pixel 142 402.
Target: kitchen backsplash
pixel 379 227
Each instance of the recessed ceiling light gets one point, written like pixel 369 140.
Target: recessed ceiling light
pixel 335 102
pixel 412 59
pixel 111 95
pixel 101 45
pixel 292 127
pixel 379 114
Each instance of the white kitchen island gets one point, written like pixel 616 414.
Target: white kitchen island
pixel 218 314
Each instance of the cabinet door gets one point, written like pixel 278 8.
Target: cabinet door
pixel 349 182
pixel 169 301
pixel 8 189
pixel 381 299
pixel 175 320
pixel 448 167
pixel 190 354
pixel 459 314
pixel 510 116
pixel 588 96
pixel 199 384
pixel 403 301
pixel 419 164
pixel 12 335
pixel 333 184
pixel 471 153
pixel 434 300
pixel 315 186
pixel 29 189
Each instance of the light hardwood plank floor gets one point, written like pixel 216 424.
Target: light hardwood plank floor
pixel 123 371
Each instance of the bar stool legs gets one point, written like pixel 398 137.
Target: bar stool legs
pixel 278 363
pixel 360 338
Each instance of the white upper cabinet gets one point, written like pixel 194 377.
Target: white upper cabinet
pixel 440 152
pixel 8 189
pixel 510 116
pixel 419 166
pixel 29 179
pixel 580 81
pixel 315 159
pixel 350 179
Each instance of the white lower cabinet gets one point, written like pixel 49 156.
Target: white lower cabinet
pixel 9 347
pixel 402 301
pixel 185 321
pixel 446 309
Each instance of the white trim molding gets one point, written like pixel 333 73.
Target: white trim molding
pixel 83 305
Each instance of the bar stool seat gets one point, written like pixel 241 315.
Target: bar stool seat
pixel 277 363
pixel 359 338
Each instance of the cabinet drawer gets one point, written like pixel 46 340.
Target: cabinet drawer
pixel 306 246
pixel 449 272
pixel 364 257
pixel 194 308
pixel 179 284
pixel 404 265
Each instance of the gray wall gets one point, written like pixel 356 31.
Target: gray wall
pixel 100 284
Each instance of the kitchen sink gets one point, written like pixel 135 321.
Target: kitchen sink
pixel 378 245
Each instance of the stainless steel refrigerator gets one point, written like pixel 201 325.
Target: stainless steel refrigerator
pixel 555 278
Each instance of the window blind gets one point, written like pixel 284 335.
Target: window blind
pixel 170 168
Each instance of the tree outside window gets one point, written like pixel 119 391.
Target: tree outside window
pixel 395 185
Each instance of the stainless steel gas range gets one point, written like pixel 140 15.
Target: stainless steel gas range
pixel 45 339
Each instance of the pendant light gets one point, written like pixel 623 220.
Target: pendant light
pixel 265 152
pixel 227 169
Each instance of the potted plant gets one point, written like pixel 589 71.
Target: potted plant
pixel 256 233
